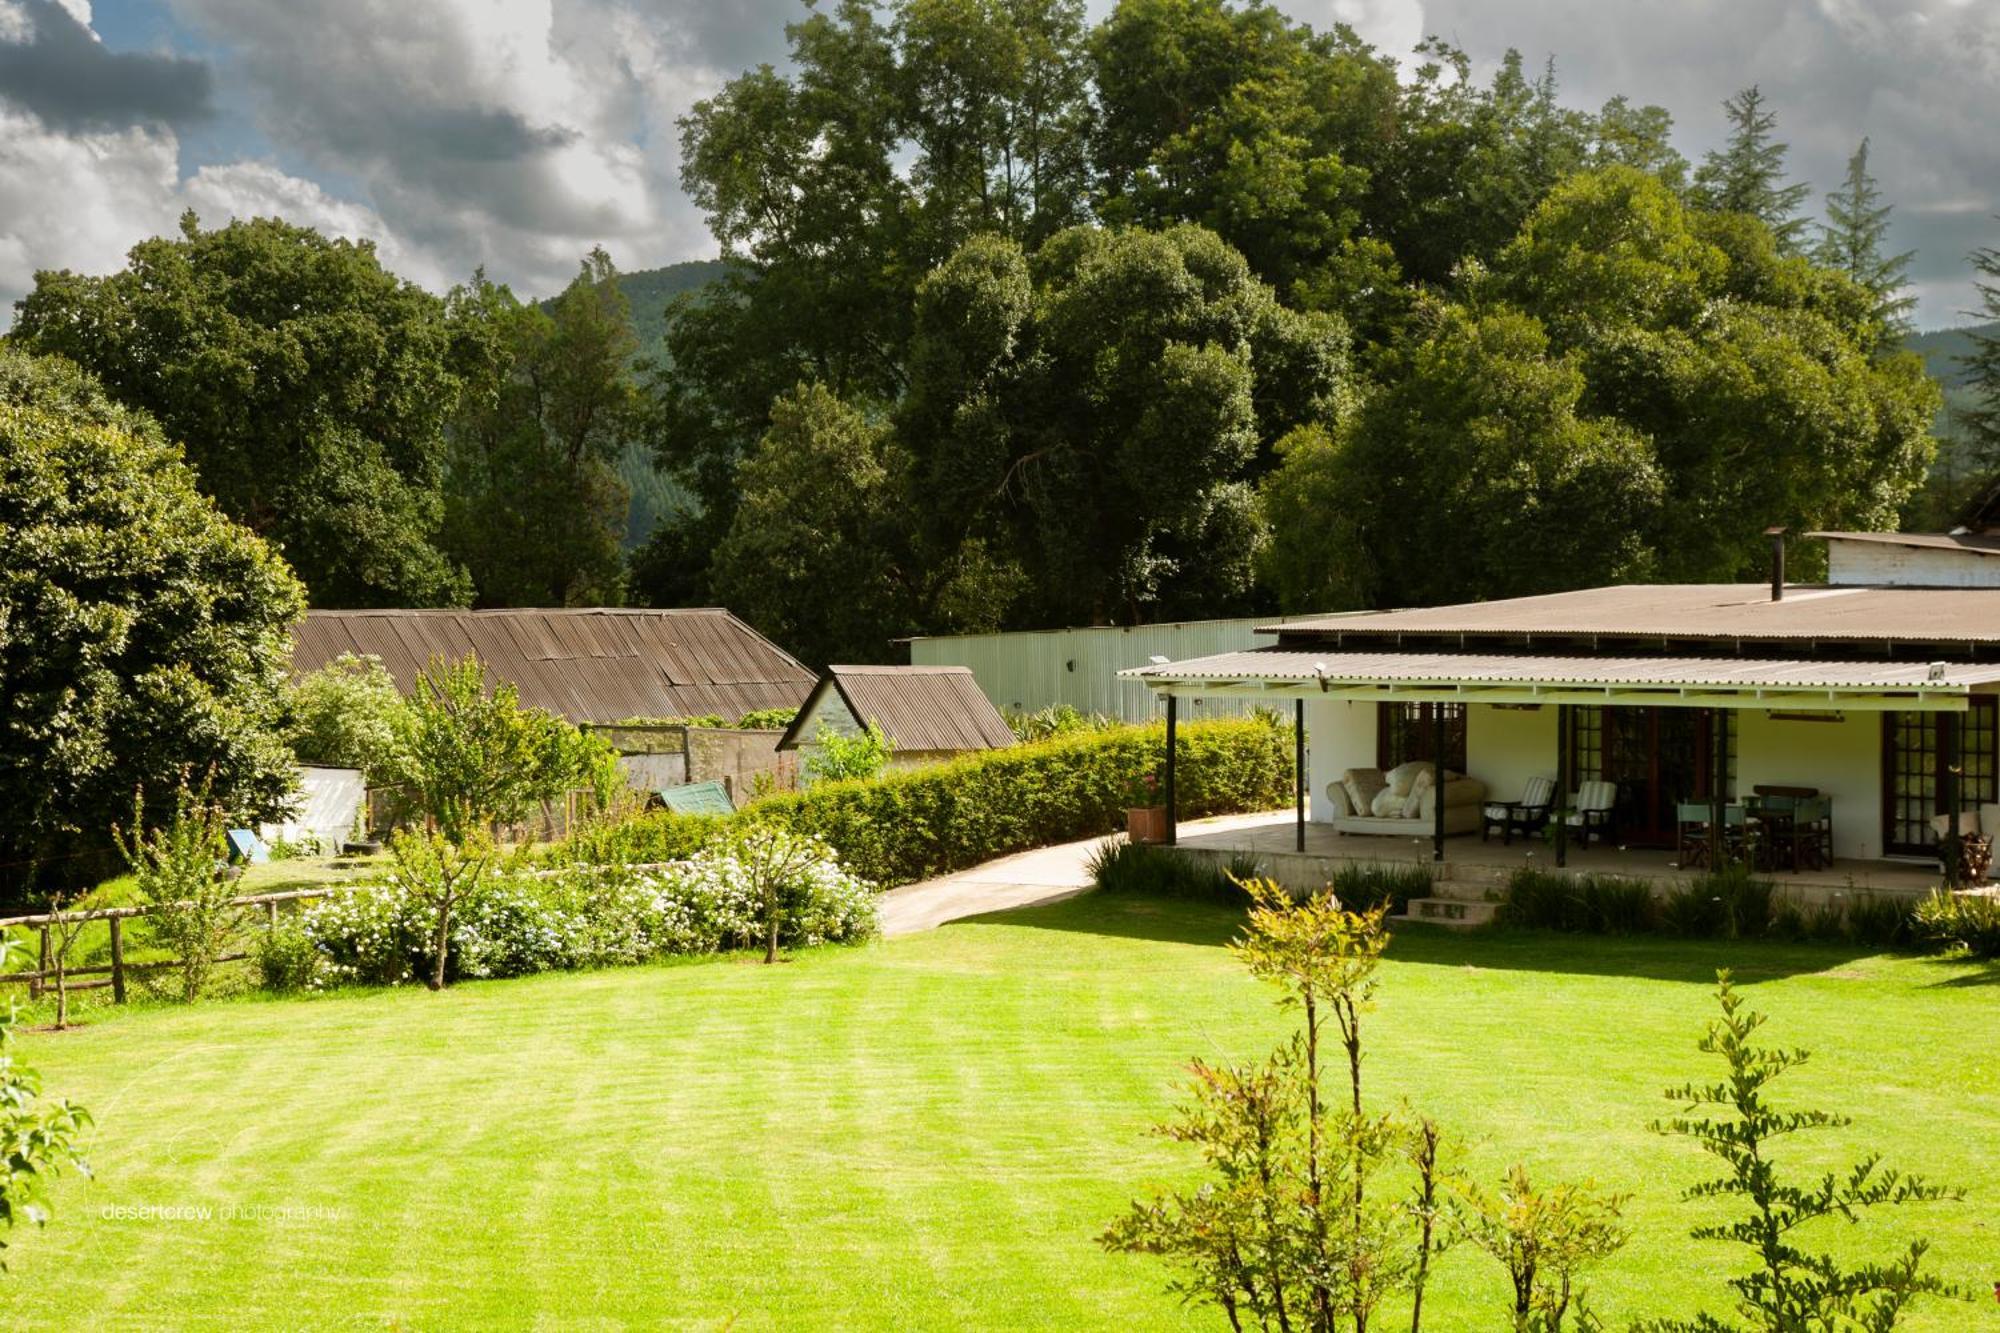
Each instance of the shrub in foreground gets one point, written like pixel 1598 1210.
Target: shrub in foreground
pixel 1143 869
pixel 1970 922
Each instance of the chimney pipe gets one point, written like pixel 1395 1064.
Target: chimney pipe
pixel 1777 536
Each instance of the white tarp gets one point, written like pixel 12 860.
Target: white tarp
pixel 324 809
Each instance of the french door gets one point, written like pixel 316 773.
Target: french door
pixel 1657 757
pixel 1910 795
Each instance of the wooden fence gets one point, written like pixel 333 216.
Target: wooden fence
pixel 115 973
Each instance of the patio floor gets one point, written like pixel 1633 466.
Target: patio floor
pixel 1468 860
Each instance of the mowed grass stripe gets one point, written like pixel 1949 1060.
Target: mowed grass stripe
pixel 924 1133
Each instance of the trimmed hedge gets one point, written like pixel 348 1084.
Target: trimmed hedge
pixel 912 824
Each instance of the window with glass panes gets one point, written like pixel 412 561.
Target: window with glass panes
pixel 1403 734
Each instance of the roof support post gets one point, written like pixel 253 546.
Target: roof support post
pixel 1173 819
pixel 1947 787
pixel 1299 766
pixel 1435 712
pixel 1563 725
pixel 1718 781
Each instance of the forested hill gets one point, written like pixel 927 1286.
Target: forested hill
pixel 1942 348
pixel 648 291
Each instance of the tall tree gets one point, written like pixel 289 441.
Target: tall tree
pixel 811 557
pixel 143 635
pixel 1747 175
pixel 1857 223
pixel 1053 397
pixel 833 189
pixel 1642 137
pixel 308 385
pixel 536 507
pixel 1981 420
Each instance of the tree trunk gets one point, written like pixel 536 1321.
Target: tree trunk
pixel 439 943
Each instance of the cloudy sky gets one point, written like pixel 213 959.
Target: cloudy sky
pixel 518 133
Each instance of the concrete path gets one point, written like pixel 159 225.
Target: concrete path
pixel 1026 879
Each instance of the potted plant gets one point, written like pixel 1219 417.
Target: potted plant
pixel 1145 816
pixel 1966 863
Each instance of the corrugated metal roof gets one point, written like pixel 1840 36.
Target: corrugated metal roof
pixel 1273 664
pixel 1972 543
pixel 920 708
pixel 1698 611
pixel 592 665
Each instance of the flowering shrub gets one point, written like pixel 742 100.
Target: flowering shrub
pixel 577 917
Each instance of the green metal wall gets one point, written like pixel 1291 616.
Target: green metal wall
pixel 1034 669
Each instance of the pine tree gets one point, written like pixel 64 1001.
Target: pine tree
pixel 1981 419
pixel 1747 176
pixel 1857 222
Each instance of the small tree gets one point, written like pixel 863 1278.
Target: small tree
pixel 37 1136
pixel 774 860
pixel 178 866
pixel 1294 1229
pixel 65 928
pixel 441 876
pixel 1789 1289
pixel 835 755
pixel 469 756
pixel 1544 1239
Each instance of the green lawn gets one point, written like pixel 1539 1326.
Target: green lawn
pixel 924 1133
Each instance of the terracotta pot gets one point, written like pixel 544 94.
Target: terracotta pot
pixel 1146 824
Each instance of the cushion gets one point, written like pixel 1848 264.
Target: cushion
pixel 1538 792
pixel 1413 804
pixel 1362 786
pixel 1402 775
pixel 1387 804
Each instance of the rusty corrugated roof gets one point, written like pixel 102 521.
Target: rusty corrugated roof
pixel 1725 673
pixel 920 708
pixel 1728 611
pixel 592 665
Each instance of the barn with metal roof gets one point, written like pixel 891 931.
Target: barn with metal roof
pixel 588 665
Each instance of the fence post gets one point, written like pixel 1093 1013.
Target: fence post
pixel 271 916
pixel 117 960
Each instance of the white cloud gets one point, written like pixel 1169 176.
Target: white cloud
pixel 80 201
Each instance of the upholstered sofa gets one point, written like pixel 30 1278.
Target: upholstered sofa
pixel 1403 801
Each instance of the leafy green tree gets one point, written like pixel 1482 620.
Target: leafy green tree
pixel 38 1135
pixel 1756 377
pixel 1789 1288
pixel 468 755
pixel 348 714
pixel 1641 137
pixel 833 190
pixel 309 386
pixel 1051 397
pixel 811 557
pixel 536 508
pixel 142 634
pixel 1747 174
pixel 1851 241
pixel 1475 473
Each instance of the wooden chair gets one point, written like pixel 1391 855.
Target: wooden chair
pixel 1590 810
pixel 1691 849
pixel 1524 816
